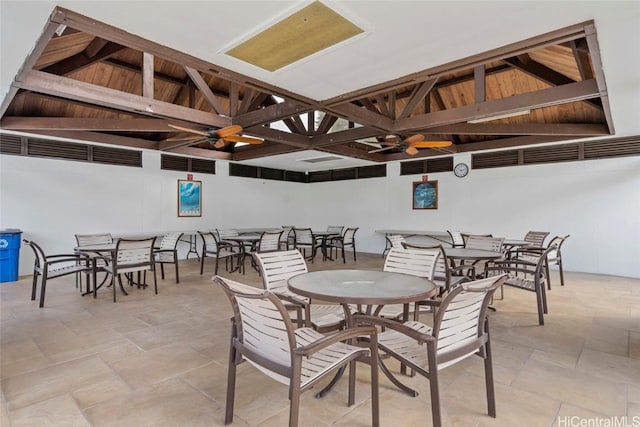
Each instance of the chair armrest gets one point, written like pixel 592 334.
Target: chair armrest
pixel 430 302
pixel 74 256
pixel 328 340
pixel 418 336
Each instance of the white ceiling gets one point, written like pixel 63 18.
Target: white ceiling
pixel 401 37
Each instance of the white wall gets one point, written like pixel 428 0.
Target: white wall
pixel 597 203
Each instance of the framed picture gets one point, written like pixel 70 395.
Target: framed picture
pixel 425 195
pixel 189 198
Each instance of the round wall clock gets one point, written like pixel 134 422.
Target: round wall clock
pixel 461 170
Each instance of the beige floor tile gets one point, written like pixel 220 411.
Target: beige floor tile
pixel 58 411
pixel 161 359
pixel 171 403
pixel 576 387
pixel 157 365
pixel 45 383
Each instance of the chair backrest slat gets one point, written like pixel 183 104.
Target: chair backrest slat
pixel 170 240
pixel 269 241
pixel 395 240
pixel 263 326
pixel 460 319
pixel 349 235
pixel 484 243
pixel 457 241
pixel 335 229
pixel 303 236
pixel 134 252
pixel 94 239
pixel 417 262
pixel 277 267
pixel 536 238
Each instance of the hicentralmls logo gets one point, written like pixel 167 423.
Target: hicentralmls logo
pixel 622 421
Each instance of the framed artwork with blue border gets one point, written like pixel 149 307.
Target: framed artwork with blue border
pixel 425 195
pixel 189 198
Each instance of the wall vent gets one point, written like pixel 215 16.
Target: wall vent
pixel 494 159
pixel 441 164
pixel 187 164
pixel 246 171
pixel 588 150
pixel 375 171
pixel 603 149
pixel 63 150
pixel 10 144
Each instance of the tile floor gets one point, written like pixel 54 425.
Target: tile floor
pixel 160 360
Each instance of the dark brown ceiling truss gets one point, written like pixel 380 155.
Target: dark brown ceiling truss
pixel 90 81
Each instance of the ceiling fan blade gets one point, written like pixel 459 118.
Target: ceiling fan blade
pixel 411 150
pixel 381 149
pixel 242 138
pixel 219 143
pixel 431 144
pixel 228 131
pixel 197 132
pixel 414 138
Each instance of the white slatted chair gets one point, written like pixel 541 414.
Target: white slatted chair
pixel 344 241
pixel 416 262
pixel 445 276
pixel 485 243
pixel 305 239
pixel 52 266
pixel 269 241
pixel 457 241
pixel 393 241
pixel 460 330
pixel 167 253
pixel 529 273
pixel 287 239
pixel 276 268
pixel 554 257
pixel 95 239
pixel 536 238
pixel 213 248
pixel 131 256
pixel 263 335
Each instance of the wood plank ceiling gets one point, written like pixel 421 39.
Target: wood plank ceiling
pixel 87 80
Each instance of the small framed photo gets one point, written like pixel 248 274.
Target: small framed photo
pixel 425 195
pixel 189 198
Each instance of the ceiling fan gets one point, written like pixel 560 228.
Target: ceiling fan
pixel 410 145
pixel 217 137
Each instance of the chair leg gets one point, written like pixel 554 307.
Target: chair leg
pixel 215 272
pixel 43 288
pixel 540 305
pixel 375 398
pixel 561 271
pixel 352 383
pixel 202 262
pixel 231 380
pixel 344 260
pixel 34 286
pixel 546 267
pixel 433 384
pixel 294 392
pixel 155 280
pixel 354 251
pixel 177 272
pixel 488 375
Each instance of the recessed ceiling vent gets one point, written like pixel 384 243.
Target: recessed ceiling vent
pixel 320 159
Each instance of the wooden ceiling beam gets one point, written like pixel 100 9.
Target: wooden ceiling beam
pixel 510 142
pixel 202 152
pixel 594 48
pixel 272 113
pixel 275 135
pixel 88 25
pixel 340 137
pixel 419 93
pixel 64 87
pixel 568 129
pixel 147 75
pixel 564 94
pixel 348 151
pixel 265 150
pixel 85 124
pixel 205 90
pixel 328 120
pixel 82 60
pixel 362 116
pixel 103 138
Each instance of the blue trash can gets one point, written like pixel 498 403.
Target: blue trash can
pixel 9 254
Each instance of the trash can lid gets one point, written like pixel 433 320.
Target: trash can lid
pixel 10 231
